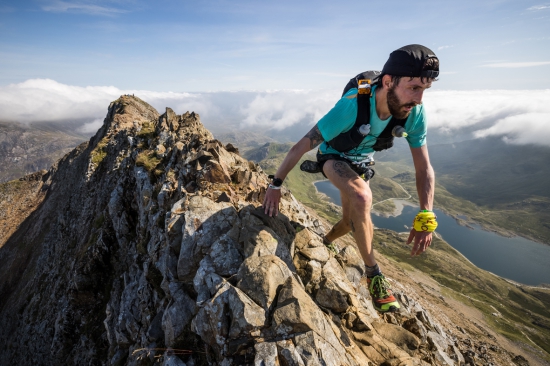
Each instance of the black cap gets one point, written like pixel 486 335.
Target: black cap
pixel 409 61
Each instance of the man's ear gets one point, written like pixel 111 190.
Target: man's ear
pixel 386 81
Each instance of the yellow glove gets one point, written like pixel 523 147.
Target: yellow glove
pixel 425 221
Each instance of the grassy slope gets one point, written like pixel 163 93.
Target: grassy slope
pixel 521 312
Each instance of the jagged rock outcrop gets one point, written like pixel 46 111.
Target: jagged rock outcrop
pixel 150 246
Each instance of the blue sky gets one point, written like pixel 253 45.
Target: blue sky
pixel 274 66
pixel 191 46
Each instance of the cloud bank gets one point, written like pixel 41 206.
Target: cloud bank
pixel 518 116
pixel 58 6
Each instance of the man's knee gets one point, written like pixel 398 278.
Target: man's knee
pixel 361 198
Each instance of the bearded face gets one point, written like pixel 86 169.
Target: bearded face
pixel 397 107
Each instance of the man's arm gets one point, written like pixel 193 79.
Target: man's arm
pixel 311 140
pixel 425 186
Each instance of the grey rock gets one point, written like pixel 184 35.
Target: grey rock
pixel 398 335
pixel 416 327
pixel 261 277
pixel 172 360
pixel 335 290
pixel 177 315
pixel 266 354
pixel 440 345
pixel 155 331
pixel 229 314
pixel 319 254
pixel 225 255
pixel 288 353
pixel 352 263
pixel 260 241
pixel 205 221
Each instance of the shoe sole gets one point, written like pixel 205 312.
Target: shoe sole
pixel 390 309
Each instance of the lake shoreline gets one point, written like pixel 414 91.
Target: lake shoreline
pixel 400 203
pixel 477 243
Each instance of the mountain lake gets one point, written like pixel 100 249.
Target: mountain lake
pixel 515 258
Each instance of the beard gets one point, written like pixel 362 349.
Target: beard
pixel 396 107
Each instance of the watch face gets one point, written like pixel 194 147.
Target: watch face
pixel 277 182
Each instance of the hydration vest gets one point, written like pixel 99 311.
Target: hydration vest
pixel 347 141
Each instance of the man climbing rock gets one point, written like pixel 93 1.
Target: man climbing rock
pixel 375 108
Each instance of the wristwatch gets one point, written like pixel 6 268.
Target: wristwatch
pixel 276 183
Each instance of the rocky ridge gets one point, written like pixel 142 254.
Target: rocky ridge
pixel 150 247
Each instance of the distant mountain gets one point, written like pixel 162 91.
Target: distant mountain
pixel 245 140
pixel 25 149
pixel 490 171
pixel 269 150
pixel 486 171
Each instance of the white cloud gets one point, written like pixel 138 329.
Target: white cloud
pixel 91 127
pixel 521 129
pixel 517 64
pixel 47 100
pixel 59 6
pixel 538 7
pixel 41 100
pixel 443 47
pixel 284 108
pixel 519 116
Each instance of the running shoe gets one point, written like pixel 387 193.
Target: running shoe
pixel 382 297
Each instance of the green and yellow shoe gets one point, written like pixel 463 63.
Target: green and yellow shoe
pixel 331 246
pixel 382 297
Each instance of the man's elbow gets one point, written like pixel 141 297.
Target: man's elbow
pixel 301 147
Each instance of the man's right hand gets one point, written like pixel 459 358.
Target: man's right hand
pixel 271 202
pixel 273 196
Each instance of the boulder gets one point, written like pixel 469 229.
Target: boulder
pixel 261 278
pixel 334 290
pixel 177 316
pixel 205 222
pixel 398 335
pixel 266 354
pixel 230 314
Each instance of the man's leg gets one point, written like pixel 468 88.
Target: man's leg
pixel 357 196
pixel 356 204
pixel 341 228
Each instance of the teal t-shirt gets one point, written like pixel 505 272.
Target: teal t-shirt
pixel 342 116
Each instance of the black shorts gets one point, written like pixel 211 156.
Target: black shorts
pixel 364 172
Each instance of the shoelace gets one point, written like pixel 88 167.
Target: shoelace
pixel 379 286
pixel 332 247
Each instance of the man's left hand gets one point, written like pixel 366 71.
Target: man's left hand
pixel 422 240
